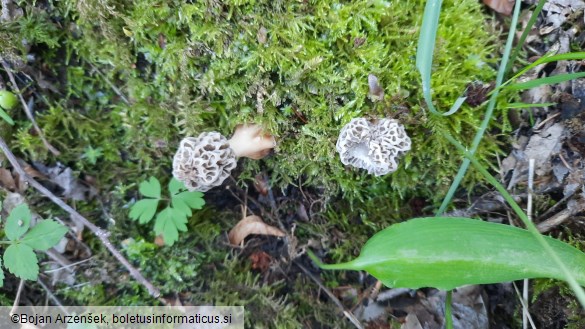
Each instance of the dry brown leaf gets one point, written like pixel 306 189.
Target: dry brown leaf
pixel 501 6
pixel 6 180
pixel 251 225
pixel 32 172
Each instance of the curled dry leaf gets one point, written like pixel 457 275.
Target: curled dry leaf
pixel 251 225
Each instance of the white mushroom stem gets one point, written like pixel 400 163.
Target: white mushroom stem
pixel 249 141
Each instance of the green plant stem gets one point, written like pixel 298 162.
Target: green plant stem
pixel 488 114
pixel 449 310
pixel 579 292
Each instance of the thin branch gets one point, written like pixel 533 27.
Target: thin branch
pixel 27 109
pixel 555 220
pixel 98 232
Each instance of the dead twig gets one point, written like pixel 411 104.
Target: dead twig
pixel 102 235
pixel 346 313
pixel 27 109
pixel 554 221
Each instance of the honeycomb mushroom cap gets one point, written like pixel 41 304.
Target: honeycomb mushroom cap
pixel 373 146
pixel 203 162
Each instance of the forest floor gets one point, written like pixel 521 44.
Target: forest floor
pixel 107 90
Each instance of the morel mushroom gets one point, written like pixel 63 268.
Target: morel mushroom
pixel 374 146
pixel 204 162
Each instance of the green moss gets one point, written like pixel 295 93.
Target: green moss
pixel 300 69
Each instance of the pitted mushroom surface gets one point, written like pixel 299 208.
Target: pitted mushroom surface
pixel 373 146
pixel 203 162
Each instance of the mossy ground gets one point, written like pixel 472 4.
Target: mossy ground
pixel 117 84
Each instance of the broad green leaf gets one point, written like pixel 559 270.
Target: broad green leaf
pixel 150 188
pixel 168 224
pixel 18 222
pixel 175 186
pixel 185 201
pixel 21 261
pixel 144 210
pixel 447 252
pixel 44 235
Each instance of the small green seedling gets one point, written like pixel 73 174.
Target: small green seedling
pixel 7 102
pixel 19 258
pixel 173 218
pixel 92 154
pixel 446 252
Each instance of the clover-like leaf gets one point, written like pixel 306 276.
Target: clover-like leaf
pixel 44 235
pixel 21 261
pixel 168 224
pixel 185 201
pixel 144 210
pixel 176 186
pixel 150 188
pixel 18 222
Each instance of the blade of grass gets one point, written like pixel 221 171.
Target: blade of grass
pixel 577 289
pixel 426 48
pixel 456 106
pixel 545 81
pixel 525 33
pixel 528 105
pixel 488 113
pixel 547 58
